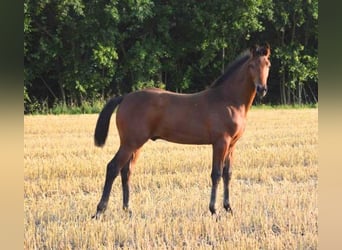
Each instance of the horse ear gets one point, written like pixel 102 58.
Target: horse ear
pixel 263 50
pixel 267 48
pixel 253 50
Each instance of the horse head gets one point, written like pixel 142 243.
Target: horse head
pixel 259 66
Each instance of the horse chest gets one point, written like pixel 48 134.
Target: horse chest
pixel 236 129
pixel 235 125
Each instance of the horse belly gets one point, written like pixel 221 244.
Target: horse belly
pixel 184 137
pixel 184 128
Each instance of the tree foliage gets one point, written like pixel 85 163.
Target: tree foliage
pixel 81 50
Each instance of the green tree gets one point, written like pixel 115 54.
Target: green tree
pixel 69 47
pixel 80 50
pixel 295 34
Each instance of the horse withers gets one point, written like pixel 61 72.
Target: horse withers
pixel 215 116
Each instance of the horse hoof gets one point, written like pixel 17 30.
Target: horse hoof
pixel 96 216
pixel 128 211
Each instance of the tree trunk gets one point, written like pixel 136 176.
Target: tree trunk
pixel 282 89
pixel 60 80
pixel 282 79
pixel 293 27
pixel 288 93
pixel 60 84
pixel 299 92
pixel 223 56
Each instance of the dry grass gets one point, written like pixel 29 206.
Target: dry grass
pixel 273 191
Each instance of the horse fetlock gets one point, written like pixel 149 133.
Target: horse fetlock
pixel 212 208
pixel 125 207
pixel 102 206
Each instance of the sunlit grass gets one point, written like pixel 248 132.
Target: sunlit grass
pixel 273 190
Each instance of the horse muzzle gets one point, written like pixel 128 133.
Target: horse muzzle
pixel 261 90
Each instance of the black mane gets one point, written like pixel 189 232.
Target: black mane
pixel 231 68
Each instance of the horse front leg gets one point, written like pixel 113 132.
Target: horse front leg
pixel 219 154
pixel 227 175
pixel 215 179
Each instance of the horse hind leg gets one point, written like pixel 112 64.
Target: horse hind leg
pixel 113 169
pixel 126 173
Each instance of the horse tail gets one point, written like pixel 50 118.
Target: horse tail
pixel 102 125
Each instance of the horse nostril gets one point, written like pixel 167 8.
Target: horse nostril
pixel 261 90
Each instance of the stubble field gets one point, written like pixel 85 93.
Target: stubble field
pixel 273 189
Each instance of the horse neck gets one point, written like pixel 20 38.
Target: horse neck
pixel 239 90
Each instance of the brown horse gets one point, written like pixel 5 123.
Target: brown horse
pixel 215 116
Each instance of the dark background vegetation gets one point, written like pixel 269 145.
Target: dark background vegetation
pixel 78 53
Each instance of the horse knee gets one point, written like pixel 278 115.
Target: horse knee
pixel 215 177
